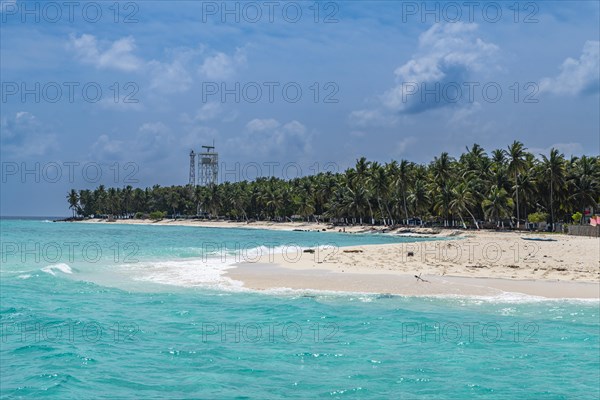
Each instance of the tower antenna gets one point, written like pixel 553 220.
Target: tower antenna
pixel 208 166
pixel 192 178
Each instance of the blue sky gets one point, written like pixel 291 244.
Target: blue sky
pixel 383 80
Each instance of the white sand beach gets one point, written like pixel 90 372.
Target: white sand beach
pixel 464 262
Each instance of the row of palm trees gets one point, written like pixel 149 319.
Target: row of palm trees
pixel 506 185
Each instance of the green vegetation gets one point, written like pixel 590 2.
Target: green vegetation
pixel 577 217
pixel 474 188
pixel 538 217
pixel 157 215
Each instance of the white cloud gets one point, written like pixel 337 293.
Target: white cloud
pixel 116 55
pixel 448 53
pixel 270 138
pixel 577 76
pixel 209 111
pixel 199 136
pixel 174 76
pixel 170 77
pixel 222 66
pixel 258 125
pixel 105 148
pixel 152 141
pixel 465 115
pixel 212 111
pixel 24 136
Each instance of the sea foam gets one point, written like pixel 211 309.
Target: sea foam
pixel 204 272
pixel 62 267
pixel 186 273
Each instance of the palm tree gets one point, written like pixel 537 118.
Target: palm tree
pixel 113 201
pixel 446 189
pixel 73 199
pixel 527 183
pixel 418 198
pixel 585 183
pixel 213 200
pixel 441 169
pixel 553 168
pixel 475 157
pixel 100 200
pixel 362 173
pixel 86 203
pixel 379 181
pixel 173 200
pixel 498 157
pixel 239 197
pixel 462 201
pixel 401 182
pixel 127 198
pixel 497 205
pixel 355 202
pixel 306 207
pixel 516 165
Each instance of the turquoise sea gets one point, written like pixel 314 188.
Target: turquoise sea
pixel 91 311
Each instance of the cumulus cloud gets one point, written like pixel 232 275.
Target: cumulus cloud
pixel 464 116
pixel 577 76
pixel 23 135
pixel 170 77
pixel 198 136
pixel 259 125
pixel 174 76
pixel 271 138
pixel 222 66
pixel 116 55
pixel 152 141
pixel 105 148
pixel 448 55
pixel 209 111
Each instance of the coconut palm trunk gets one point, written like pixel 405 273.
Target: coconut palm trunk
pixel 551 201
pixel 405 208
pixel 517 195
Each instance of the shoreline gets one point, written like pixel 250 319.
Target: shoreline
pixel 264 278
pixel 475 263
pixel 276 226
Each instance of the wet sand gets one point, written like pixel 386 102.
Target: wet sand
pixel 270 276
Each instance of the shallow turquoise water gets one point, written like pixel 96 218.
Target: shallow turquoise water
pixel 141 328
